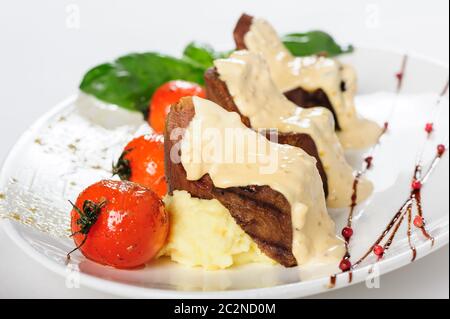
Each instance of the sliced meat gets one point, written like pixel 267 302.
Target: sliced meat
pixel 242 27
pixel 298 96
pixel 315 98
pixel 306 143
pixel 217 91
pixel 263 213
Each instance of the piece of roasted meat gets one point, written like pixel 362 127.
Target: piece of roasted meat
pixel 263 213
pixel 299 96
pixel 217 91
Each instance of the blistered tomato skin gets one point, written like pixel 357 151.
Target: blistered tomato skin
pixel 131 228
pixel 144 157
pixel 166 95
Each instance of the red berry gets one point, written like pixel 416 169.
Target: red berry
pixel 441 149
pixel 416 185
pixel 386 126
pixel 429 128
pixel 378 250
pixel 347 232
pixel 345 264
pixel 369 160
pixel 399 76
pixel 418 221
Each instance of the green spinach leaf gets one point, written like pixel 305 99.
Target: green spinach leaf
pixel 131 80
pixel 203 54
pixel 314 42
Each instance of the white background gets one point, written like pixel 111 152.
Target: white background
pixel 44 53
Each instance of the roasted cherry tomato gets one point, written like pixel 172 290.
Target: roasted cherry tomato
pixel 120 224
pixel 142 162
pixel 166 95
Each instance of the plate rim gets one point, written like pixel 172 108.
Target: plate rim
pixel 291 290
pixel 281 291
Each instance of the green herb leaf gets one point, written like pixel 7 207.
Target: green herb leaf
pixel 314 42
pixel 131 80
pixel 202 54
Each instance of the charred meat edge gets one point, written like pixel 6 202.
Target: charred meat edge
pixel 298 96
pixel 217 91
pixel 263 213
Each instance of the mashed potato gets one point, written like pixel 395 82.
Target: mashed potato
pixel 203 233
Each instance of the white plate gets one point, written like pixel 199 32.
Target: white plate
pixel 73 146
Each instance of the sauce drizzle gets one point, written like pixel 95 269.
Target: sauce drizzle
pixel 367 164
pixel 406 209
pixel 414 199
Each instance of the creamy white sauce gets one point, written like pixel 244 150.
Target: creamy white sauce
pixel 249 82
pixel 312 73
pixel 294 175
